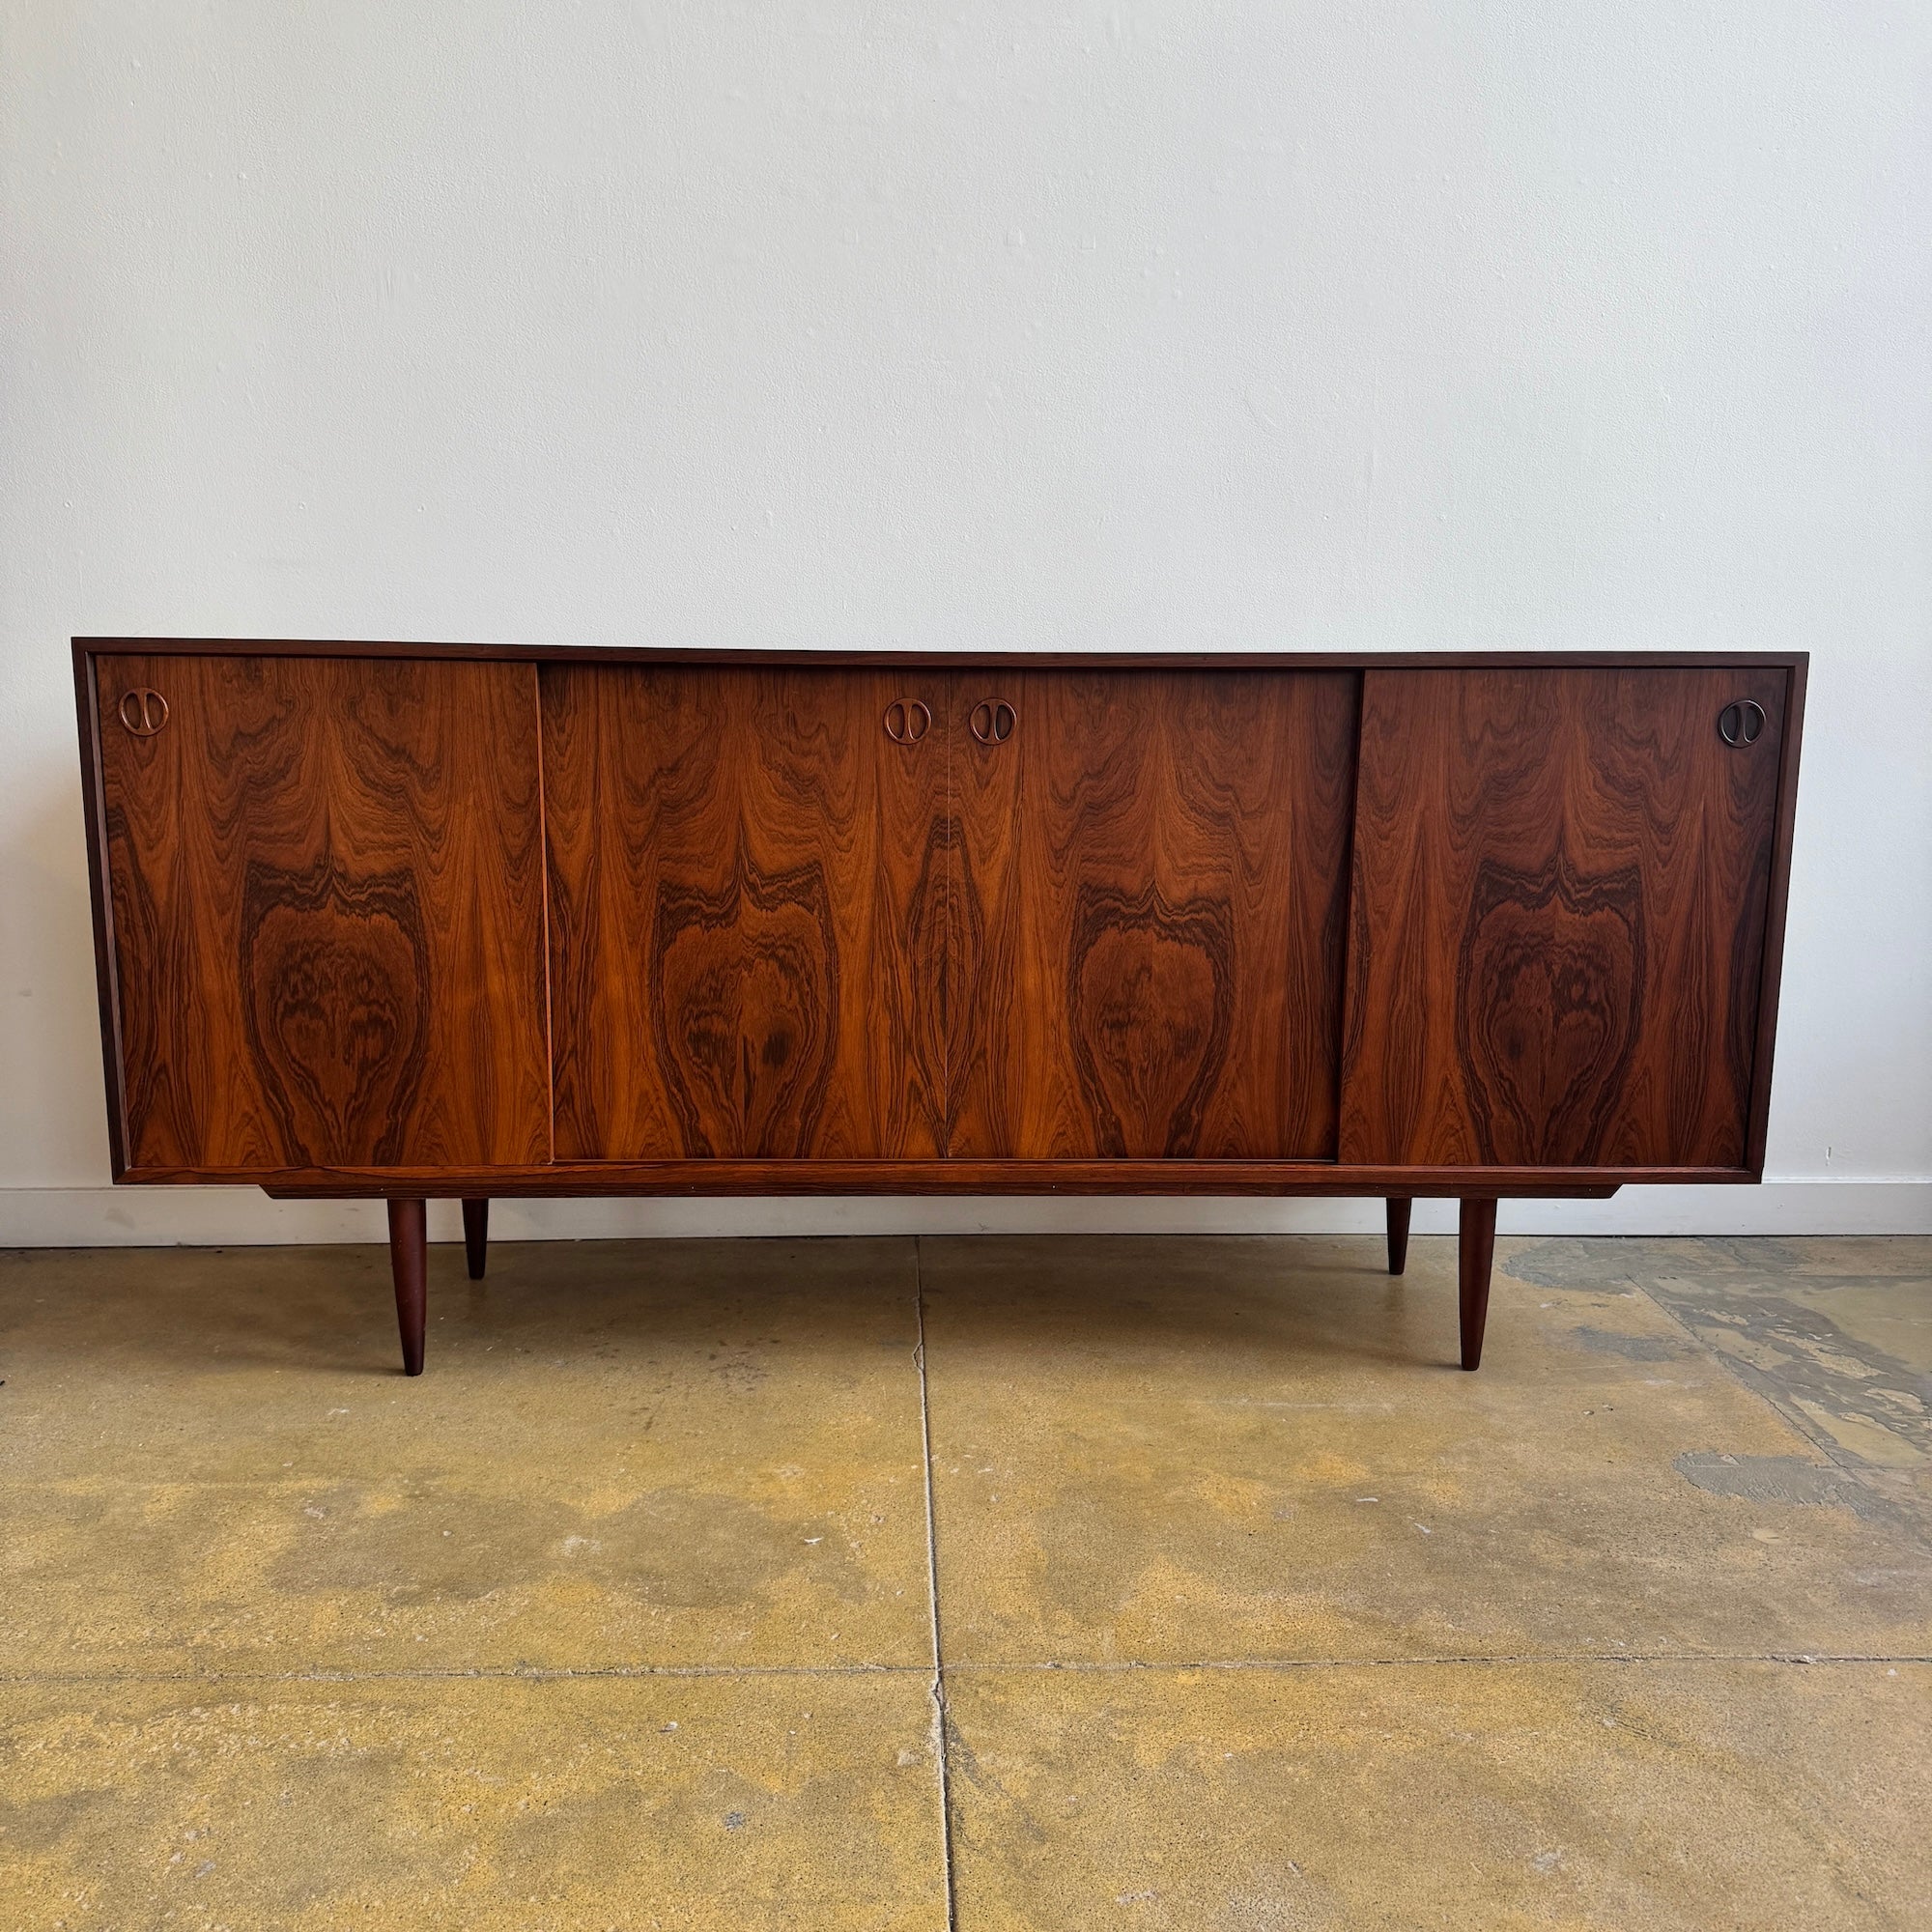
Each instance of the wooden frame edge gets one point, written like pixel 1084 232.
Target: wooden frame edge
pixel 1757 1126
pixel 100 902
pixel 1172 1178
pixel 540 654
pixel 737 1187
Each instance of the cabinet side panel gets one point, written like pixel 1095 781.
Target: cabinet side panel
pixel 1152 872
pixel 1560 882
pixel 746 900
pixel 1775 912
pixel 326 894
pixel 101 905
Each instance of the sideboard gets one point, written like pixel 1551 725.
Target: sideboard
pixel 421 922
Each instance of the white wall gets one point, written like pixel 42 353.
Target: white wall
pixel 1269 323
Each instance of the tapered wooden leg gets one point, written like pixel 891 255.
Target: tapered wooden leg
pixel 1399 1233
pixel 408 1262
pixel 1475 1250
pixel 476 1235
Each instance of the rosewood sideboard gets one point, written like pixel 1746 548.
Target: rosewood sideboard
pixel 421 922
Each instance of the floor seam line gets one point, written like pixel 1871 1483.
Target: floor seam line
pixel 942 1719
pixel 1516 1660
pixel 458 1674
pixel 1072 1666
pixel 591 1673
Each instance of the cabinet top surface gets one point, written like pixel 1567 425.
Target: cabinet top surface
pixel 832 659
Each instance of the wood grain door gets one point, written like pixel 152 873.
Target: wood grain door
pixel 1560 884
pixel 747 899
pixel 325 879
pixel 1147 912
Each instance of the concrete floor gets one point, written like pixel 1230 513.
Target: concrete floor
pixel 1252 1612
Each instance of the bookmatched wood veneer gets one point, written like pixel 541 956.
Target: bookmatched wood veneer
pixel 327 912
pixel 748 904
pixel 1560 891
pixel 1150 879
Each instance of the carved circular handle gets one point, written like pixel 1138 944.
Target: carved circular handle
pixel 907 721
pixel 992 720
pixel 143 712
pixel 1740 721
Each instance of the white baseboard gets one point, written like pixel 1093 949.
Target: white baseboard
pixel 60 1217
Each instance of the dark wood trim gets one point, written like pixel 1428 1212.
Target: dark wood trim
pixel 477 1237
pixel 832 659
pixel 409 1264
pixel 1399 1206
pixel 1758 1123
pixel 543 849
pixel 94 796
pixel 1347 940
pixel 581 1181
pixel 1475 1255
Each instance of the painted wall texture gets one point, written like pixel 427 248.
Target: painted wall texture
pixel 1264 323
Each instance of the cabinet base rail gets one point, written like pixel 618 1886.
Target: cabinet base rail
pixel 408 1263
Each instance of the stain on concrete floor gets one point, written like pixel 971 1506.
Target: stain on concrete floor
pixel 1775 1479
pixel 1836 1335
pixel 1253 1611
